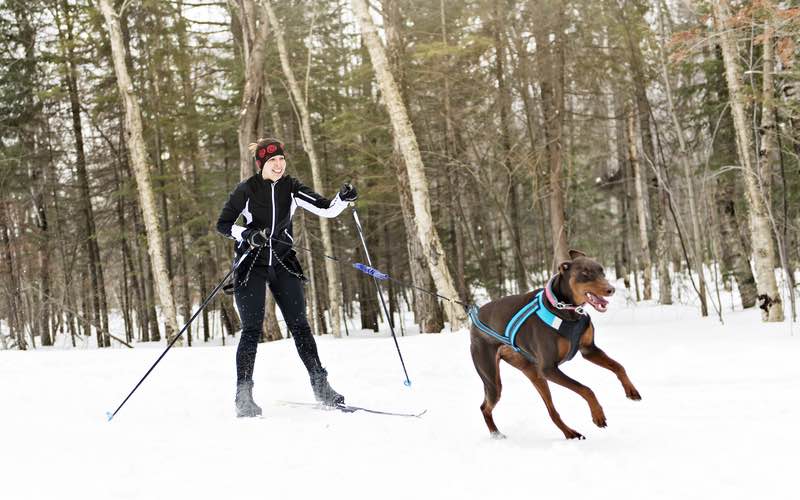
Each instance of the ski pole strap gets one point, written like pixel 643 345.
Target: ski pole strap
pixel 371 271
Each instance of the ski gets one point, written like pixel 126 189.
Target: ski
pixel 351 409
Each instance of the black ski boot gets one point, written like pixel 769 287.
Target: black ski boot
pixel 323 392
pixel 245 406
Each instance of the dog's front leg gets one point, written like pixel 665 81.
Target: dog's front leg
pixel 597 356
pixel 555 375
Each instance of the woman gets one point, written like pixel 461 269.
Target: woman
pixel 267 201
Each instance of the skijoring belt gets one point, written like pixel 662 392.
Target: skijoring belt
pixel 571 330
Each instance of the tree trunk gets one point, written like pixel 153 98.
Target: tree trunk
pixel 769 151
pixel 697 236
pixel 550 57
pixel 658 206
pixel 427 312
pixel 426 308
pixel 504 105
pixel 301 102
pixel 731 248
pixel 764 254
pixel 133 127
pixel 404 134
pixel 90 234
pixel 312 303
pixel 254 40
pixel 624 188
pixel 454 180
pixel 641 211
pixel 10 282
pixel 38 189
pixel 368 304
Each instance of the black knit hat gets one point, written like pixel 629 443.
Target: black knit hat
pixel 266 149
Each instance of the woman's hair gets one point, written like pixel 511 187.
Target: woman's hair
pixel 264 140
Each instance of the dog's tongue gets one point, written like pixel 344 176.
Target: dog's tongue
pixel 599 303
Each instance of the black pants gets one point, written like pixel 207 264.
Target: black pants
pixel 288 292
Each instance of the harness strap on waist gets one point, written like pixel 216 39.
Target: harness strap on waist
pixel 472 312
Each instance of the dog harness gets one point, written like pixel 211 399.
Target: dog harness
pixel 570 330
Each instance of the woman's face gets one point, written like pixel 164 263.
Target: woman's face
pixel 274 168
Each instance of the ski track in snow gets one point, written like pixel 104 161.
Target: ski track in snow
pixel 717 420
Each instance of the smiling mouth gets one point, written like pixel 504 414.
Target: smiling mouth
pixel 599 303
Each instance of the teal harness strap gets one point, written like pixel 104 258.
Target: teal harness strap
pixel 473 316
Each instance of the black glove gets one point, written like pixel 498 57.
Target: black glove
pixel 348 192
pixel 255 237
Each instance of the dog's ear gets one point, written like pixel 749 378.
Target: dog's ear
pixel 574 254
pixel 564 266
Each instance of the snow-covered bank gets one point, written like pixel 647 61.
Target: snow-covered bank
pixel 717 420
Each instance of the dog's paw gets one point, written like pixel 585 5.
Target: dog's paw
pixel 572 434
pixel 497 435
pixel 632 393
pixel 599 419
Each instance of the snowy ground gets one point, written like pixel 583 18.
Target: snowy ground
pixel 718 420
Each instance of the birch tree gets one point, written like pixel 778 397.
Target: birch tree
pixel 404 134
pixel 426 308
pixel 138 154
pixel 761 233
pixel 769 152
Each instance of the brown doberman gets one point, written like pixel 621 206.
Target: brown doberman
pixel 541 348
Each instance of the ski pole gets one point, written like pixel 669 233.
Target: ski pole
pixel 380 294
pixel 216 289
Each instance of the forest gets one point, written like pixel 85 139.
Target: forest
pixel 486 139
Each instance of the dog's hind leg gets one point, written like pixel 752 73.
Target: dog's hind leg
pixel 529 369
pixel 487 359
pixel 555 375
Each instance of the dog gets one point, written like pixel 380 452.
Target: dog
pixel 538 349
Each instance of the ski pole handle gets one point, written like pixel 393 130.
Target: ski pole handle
pixel 371 271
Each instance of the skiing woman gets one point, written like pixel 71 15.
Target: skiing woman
pixel 267 201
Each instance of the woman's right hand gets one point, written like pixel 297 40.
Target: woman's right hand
pixel 348 192
pixel 255 237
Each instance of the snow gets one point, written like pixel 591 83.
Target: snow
pixel 717 419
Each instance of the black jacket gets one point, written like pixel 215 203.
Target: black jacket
pixel 269 205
